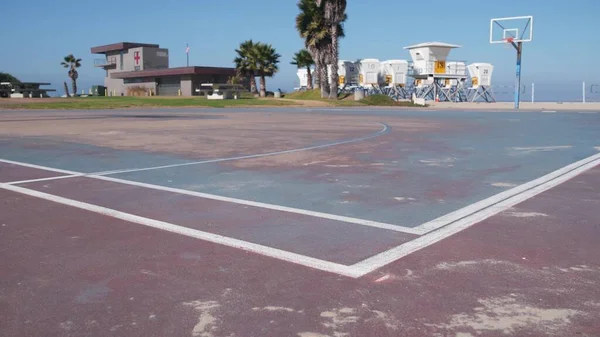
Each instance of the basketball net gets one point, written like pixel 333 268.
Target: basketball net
pixel 508 42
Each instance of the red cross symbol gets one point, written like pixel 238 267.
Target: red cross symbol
pixel 136 57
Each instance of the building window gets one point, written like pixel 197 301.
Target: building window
pixel 121 61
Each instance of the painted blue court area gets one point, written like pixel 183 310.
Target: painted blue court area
pixel 396 177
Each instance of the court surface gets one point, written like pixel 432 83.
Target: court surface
pixel 299 222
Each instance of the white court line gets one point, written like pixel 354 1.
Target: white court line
pixel 42 179
pixel 194 233
pixel 382 259
pixel 274 207
pixel 383 130
pixel 356 270
pixel 38 167
pixel 482 204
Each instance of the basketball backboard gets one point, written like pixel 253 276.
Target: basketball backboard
pixel 511 29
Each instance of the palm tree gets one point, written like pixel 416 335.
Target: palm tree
pixel 335 15
pixel 246 62
pixel 72 63
pixel 316 32
pixel 309 25
pixel 267 60
pixel 304 59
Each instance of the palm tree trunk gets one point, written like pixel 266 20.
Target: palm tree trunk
pixel 263 86
pixel 333 94
pixel 66 89
pixel 253 84
pixel 317 73
pixel 74 85
pixel 323 76
pixel 309 78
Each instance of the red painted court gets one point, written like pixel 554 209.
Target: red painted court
pixel 418 246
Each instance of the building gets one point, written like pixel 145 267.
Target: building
pixel 131 67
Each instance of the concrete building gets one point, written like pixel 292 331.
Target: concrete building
pixel 132 67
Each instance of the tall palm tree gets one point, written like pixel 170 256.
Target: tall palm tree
pixel 335 15
pixel 266 64
pixel 246 62
pixel 303 59
pixel 72 64
pixel 309 23
pixel 316 32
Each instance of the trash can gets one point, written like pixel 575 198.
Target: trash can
pixel 359 94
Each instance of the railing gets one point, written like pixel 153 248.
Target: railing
pixel 105 62
pixel 458 68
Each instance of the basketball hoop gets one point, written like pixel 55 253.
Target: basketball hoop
pixel 508 42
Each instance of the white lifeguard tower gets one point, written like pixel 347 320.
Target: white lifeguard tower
pixel 436 78
pixel 369 73
pixel 394 73
pixel 347 73
pixel 303 77
pixel 481 83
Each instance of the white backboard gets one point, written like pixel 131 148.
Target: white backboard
pixel 517 28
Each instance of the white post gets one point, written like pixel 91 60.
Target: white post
pixel 583 91
pixel 532 92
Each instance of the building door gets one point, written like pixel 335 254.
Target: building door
pixel 168 86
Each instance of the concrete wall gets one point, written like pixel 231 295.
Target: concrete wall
pixel 187 87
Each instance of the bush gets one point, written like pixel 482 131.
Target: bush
pixel 138 91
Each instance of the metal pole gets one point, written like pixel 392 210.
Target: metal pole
pixel 532 92
pixel 187 54
pixel 583 88
pixel 519 47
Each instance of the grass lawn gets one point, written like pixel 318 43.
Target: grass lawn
pixel 132 102
pixel 348 99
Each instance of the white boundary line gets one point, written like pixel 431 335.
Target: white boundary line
pixel 356 270
pixel 274 207
pixel 43 179
pixel 384 129
pixel 357 221
pixel 38 167
pixel 382 259
pixel 194 233
pixel 482 204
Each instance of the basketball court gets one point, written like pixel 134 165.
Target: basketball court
pixel 296 222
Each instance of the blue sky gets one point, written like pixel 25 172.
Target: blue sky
pixel 565 45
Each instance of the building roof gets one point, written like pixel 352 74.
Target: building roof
pixel 120 46
pixel 175 72
pixel 433 44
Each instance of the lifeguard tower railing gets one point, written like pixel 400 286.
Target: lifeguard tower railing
pixel 438 68
pixel 106 62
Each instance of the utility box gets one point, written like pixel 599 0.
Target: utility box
pixel 98 90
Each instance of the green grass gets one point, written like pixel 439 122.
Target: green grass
pixel 348 99
pixel 133 102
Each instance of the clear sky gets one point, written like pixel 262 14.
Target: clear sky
pixel 38 33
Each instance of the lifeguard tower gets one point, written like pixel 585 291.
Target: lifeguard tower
pixel 303 77
pixel 394 74
pixel 436 78
pixel 369 73
pixel 481 83
pixel 347 74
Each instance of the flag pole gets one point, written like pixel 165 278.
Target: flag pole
pixel 187 53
